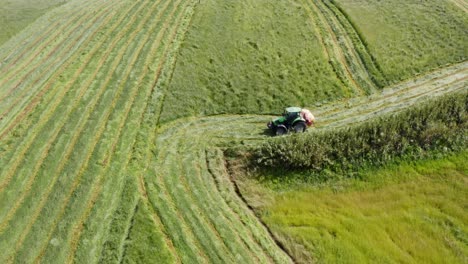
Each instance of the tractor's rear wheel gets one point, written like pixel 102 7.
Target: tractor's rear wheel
pixel 281 131
pixel 299 127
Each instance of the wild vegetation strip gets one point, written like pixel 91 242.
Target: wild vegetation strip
pixel 437 124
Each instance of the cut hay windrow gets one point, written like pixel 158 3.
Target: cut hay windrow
pixel 54 45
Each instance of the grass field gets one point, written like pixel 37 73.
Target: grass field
pixel 115 117
pixel 410 37
pixel 410 213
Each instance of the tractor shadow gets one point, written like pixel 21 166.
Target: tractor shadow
pixel 267 132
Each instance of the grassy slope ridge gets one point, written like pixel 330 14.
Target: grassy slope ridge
pixel 410 37
pixel 16 15
pixel 412 212
pixel 249 57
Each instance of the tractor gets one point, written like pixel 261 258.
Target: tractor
pixel 294 119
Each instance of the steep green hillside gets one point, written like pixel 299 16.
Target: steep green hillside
pixel 410 37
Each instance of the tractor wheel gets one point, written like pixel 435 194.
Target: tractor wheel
pixel 299 127
pixel 281 131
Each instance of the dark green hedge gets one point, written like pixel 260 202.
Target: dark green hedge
pixel 439 124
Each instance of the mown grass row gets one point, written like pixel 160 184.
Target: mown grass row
pixel 185 178
pixel 46 60
pixel 85 179
pixel 77 60
pixel 175 16
pixel 75 137
pixel 439 124
pixel 164 15
pixel 270 48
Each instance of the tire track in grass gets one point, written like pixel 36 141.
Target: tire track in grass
pixel 45 51
pixel 336 57
pixel 52 61
pixel 51 108
pixel 112 105
pixel 349 56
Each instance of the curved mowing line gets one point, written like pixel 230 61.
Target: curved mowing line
pixel 204 129
pixel 192 177
pixel 332 52
pixel 77 19
pixel 53 64
pixel 339 52
pixel 348 51
pixel 203 184
pixel 36 99
pixel 53 107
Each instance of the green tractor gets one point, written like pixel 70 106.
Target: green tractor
pixel 294 119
